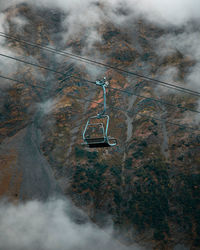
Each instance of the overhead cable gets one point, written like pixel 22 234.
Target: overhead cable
pixel 88 60
pixel 114 108
pixel 93 82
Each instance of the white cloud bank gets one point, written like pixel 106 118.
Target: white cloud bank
pixel 48 226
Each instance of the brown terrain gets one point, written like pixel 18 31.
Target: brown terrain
pixel 149 183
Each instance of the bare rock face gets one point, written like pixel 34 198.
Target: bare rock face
pixel 149 183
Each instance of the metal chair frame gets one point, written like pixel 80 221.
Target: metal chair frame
pixel 104 141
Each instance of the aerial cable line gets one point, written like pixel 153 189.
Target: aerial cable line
pixel 87 60
pixel 32 64
pixel 156 100
pixel 29 84
pixel 114 108
pixel 67 74
pixel 141 96
pixel 79 78
pixel 144 97
pixel 18 81
pixel 42 67
pixel 155 118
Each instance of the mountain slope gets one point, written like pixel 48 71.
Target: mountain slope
pixel 148 183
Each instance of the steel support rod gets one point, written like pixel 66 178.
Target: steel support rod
pixel 103 83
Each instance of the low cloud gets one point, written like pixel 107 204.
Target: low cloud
pixel 49 226
pixel 8 3
pixel 7 66
pixel 47 106
pixel 19 23
pixel 187 43
pixel 90 13
pixel 162 13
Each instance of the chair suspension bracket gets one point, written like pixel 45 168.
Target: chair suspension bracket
pixel 103 83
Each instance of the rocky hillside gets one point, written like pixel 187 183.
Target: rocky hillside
pixel 148 185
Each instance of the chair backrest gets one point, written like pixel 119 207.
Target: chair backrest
pixel 96 125
pixel 95 130
pixel 102 140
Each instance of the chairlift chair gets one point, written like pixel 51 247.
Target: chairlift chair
pixel 102 140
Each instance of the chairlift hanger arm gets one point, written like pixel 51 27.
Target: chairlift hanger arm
pixel 103 83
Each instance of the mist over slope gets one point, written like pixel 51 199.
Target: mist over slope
pixel 51 225
pixel 147 186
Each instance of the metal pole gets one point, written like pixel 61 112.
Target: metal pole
pixel 104 84
pixel 104 96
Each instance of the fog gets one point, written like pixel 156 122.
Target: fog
pixel 166 12
pixel 83 19
pixel 50 226
pixel 89 14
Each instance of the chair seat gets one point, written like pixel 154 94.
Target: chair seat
pixel 95 140
pixel 98 142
